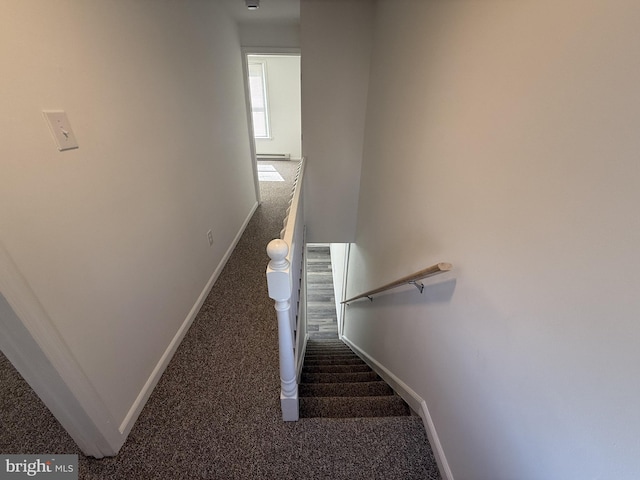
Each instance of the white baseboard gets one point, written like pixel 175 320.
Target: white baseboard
pixel 414 401
pixel 145 393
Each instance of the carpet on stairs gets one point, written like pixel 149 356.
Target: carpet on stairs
pixel 336 383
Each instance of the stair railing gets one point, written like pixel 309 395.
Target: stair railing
pixel 409 279
pixel 285 283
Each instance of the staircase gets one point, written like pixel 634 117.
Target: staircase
pixel 371 430
pixel 336 383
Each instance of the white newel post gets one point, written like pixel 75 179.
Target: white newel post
pixel 279 283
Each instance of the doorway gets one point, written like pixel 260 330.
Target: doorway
pixel 273 90
pixel 274 86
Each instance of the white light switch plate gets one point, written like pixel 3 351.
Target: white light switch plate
pixel 61 129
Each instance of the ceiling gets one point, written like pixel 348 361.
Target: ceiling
pixel 270 11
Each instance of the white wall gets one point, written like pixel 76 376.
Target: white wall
pixel 503 137
pixel 335 40
pixel 112 238
pixel 266 35
pixel 283 90
pixel 339 269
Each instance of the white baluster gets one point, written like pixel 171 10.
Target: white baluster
pixel 279 283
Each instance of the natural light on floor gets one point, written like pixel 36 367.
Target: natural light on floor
pixel 268 173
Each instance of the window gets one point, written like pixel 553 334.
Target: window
pixel 258 89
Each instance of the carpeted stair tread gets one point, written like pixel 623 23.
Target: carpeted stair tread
pixel 331 358
pixel 328 350
pixel 352 389
pixel 339 377
pixel 333 351
pixel 324 354
pixel 334 361
pixel 315 353
pixel 352 407
pixel 327 343
pixel 311 353
pixel 341 356
pixel 336 368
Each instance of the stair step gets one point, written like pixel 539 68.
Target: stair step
pixel 329 351
pixel 330 355
pixel 339 377
pixel 336 368
pixel 353 407
pixel 352 389
pixel 326 343
pixel 328 348
pixel 334 361
pixel 325 352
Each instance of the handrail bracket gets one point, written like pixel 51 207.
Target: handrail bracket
pixel 418 285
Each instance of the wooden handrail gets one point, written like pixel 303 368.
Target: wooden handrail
pixel 409 279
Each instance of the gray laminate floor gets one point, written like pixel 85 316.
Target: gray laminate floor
pixel 321 306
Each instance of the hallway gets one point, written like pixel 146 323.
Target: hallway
pixel 215 412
